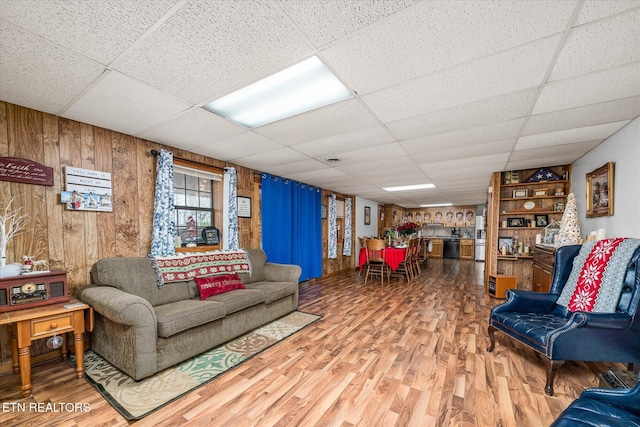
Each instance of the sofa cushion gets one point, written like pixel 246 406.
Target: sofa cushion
pixel 213 285
pixel 258 258
pixel 182 315
pixel 136 275
pixel 273 291
pixel 532 326
pixel 239 299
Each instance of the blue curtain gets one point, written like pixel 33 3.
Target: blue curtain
pixel 291 224
pixel 163 236
pixel 276 218
pixel 307 230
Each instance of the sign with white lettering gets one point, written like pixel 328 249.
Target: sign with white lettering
pixel 25 171
pixel 87 190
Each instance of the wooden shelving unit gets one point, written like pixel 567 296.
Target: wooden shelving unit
pixel 527 203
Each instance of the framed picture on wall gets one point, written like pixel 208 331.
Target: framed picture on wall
pixel 244 207
pixel 600 191
pixel 367 215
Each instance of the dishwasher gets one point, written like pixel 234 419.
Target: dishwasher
pixel 451 249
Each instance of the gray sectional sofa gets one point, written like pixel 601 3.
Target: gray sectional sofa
pixel 142 329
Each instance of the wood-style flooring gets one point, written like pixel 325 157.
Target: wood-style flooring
pixel 408 354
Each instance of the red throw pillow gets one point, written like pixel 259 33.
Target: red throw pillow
pixel 214 285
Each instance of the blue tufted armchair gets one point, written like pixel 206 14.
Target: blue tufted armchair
pixel 558 334
pixel 603 407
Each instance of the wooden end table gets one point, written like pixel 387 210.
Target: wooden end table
pixel 41 322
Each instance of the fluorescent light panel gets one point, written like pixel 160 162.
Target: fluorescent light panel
pixel 297 89
pixel 436 205
pixel 409 187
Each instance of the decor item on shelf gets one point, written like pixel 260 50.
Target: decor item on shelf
pixel 542 220
pixel 519 193
pixel 505 245
pixel 540 192
pixel 550 233
pixel 12 223
pixel 569 233
pixel 515 222
pixel 407 229
pixel 600 191
pixel 544 174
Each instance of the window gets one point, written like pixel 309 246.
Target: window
pixel 197 190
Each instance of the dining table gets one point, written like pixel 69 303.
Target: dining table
pixel 393 256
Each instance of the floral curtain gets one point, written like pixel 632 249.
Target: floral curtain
pixel 229 211
pixel 333 228
pixel 348 238
pixel 163 236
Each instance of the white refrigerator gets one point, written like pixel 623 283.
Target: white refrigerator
pixel 481 238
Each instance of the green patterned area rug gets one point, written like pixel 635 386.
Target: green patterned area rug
pixel 135 400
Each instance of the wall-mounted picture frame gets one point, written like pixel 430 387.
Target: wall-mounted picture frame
pixel 505 242
pixel 367 215
pixel 540 192
pixel 244 207
pixel 541 220
pixel 600 188
pixel 515 222
pixel 519 193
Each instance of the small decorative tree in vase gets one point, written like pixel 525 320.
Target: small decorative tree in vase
pixel 12 223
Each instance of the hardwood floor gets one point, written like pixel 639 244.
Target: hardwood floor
pixel 403 355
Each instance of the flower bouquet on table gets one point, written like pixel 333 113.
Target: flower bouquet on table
pixel 407 229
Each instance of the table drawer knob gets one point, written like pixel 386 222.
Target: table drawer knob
pixel 53 325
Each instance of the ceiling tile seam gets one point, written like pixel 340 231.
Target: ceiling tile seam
pixel 167 120
pixel 552 63
pixel 590 73
pixel 86 90
pixel 152 29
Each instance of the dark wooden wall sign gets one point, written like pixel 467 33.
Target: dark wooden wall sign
pixel 25 171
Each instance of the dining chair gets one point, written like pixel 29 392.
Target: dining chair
pixel 406 268
pixel 362 244
pixel 415 255
pixel 376 264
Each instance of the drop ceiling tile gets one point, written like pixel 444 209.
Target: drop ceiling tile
pixel 244 145
pixel 510 71
pixel 364 155
pixel 336 144
pixel 460 166
pixel 342 117
pixel 432 36
pixel 597 9
pixel 100 30
pixel 602 86
pixel 265 161
pixel 297 167
pixel 125 105
pixel 193 129
pixel 318 175
pixel 540 162
pixel 324 21
pixel 476 150
pixel 569 136
pixel 491 110
pixel 39 74
pixel 604 112
pixel 464 137
pixel 208 49
pixel 616 41
pixel 577 149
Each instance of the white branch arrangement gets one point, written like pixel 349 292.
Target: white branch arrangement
pixel 12 223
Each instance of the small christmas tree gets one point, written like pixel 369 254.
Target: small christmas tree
pixel 569 233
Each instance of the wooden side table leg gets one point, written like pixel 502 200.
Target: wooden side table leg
pixel 24 354
pixel 78 345
pixel 14 352
pixel 63 348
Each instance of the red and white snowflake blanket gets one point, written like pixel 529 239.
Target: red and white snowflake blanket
pixel 182 267
pixel 597 277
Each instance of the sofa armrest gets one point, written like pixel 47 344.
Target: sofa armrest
pixel 119 306
pixel 527 302
pixel 628 399
pixel 608 320
pixel 282 272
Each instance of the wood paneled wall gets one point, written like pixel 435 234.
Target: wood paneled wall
pixel 74 240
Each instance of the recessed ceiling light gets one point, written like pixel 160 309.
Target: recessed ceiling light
pixel 297 89
pixel 435 205
pixel 409 187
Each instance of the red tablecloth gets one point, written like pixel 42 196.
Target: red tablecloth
pixel 392 256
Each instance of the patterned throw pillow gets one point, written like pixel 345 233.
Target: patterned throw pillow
pixel 214 285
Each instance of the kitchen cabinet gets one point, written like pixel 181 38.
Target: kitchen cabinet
pixel 543 261
pixel 467 248
pixel 437 247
